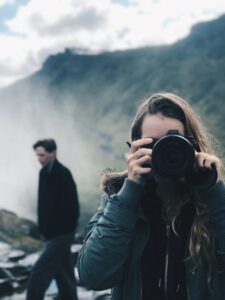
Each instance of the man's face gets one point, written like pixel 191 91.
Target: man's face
pixel 43 156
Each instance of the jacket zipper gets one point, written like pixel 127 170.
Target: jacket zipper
pixel 167 260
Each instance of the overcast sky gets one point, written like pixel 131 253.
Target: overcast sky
pixel 31 30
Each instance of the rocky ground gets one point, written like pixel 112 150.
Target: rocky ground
pixel 20 247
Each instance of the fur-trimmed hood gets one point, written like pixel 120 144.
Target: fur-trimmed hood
pixel 112 182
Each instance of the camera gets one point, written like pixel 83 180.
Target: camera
pixel 173 157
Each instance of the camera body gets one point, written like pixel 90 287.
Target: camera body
pixel 173 157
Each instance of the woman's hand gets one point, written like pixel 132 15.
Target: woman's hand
pixel 205 160
pixel 137 158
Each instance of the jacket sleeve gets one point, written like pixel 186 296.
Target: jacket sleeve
pixel 105 251
pixel 215 201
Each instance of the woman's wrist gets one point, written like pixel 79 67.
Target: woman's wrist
pixel 131 193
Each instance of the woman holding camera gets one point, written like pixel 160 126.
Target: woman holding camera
pixel 157 236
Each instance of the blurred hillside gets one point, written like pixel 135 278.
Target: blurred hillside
pixel 100 94
pixel 110 85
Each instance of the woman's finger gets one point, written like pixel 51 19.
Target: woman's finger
pixel 135 145
pixel 142 151
pixel 200 160
pixel 208 163
pixel 207 160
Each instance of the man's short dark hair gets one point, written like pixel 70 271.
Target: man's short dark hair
pixel 48 144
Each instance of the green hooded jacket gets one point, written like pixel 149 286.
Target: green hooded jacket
pixel 117 235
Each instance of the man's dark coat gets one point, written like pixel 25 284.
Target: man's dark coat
pixel 58 206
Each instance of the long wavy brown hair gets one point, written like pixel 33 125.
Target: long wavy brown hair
pixel 201 243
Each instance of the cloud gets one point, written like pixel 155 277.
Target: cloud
pixel 41 28
pixel 5 2
pixel 88 20
pixel 17 58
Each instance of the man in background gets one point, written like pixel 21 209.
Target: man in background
pixel 58 212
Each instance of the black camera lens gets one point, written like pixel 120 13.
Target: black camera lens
pixel 173 156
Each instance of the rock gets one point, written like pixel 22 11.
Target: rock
pixel 22 234
pixel 20 247
pixel 6 287
pixel 29 260
pixel 13 275
pixel 102 295
pixel 15 255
